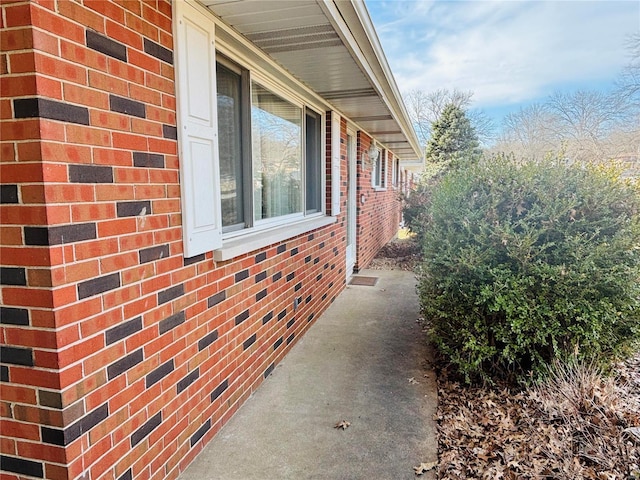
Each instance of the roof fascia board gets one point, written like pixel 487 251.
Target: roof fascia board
pixel 365 38
pixel 369 29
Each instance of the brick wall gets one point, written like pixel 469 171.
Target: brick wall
pixel 379 216
pixel 120 357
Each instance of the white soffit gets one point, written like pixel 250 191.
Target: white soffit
pixel 331 46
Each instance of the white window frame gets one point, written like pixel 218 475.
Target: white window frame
pixel 263 232
pixel 378 171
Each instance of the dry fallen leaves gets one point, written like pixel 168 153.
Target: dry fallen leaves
pixel 574 428
pixel 343 424
pixel 425 467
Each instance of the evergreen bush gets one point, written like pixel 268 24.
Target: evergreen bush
pixel 529 262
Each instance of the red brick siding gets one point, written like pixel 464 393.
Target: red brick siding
pixel 129 340
pixel 378 217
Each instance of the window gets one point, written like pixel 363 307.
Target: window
pixel 251 148
pixel 379 170
pixel 395 173
pixel 270 152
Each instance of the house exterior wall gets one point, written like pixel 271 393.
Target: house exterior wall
pixel 121 358
pixel 379 216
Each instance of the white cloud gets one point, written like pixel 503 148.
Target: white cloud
pixel 506 52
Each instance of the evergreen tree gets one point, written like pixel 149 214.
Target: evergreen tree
pixel 453 141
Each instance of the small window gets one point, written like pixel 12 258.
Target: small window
pixel 379 169
pixel 313 160
pixel 395 174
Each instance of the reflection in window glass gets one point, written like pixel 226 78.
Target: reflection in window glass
pixel 230 146
pixel 276 128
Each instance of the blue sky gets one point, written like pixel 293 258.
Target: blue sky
pixel 509 53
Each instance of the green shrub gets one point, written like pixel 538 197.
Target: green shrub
pixel 529 262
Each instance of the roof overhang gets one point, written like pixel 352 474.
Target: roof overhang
pixel 332 47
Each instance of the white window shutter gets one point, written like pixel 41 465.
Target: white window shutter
pixel 195 66
pixel 335 163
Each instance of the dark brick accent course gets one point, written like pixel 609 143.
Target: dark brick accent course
pixel 123 330
pixel 261 294
pixel 207 340
pixel 170 132
pixel 16 355
pixel 282 314
pixel 14 316
pixel 54 436
pixel 90 174
pixel 269 369
pixel 13 276
pixel 200 433
pixel 153 253
pixel 36 236
pixel 127 106
pixel 241 275
pixel 249 341
pixel 45 108
pixel 290 339
pixel 242 317
pixel 281 248
pixel 219 390
pixel 4 373
pixel 21 466
pixel 216 299
pixel 261 257
pixel 133 209
pixel 277 343
pixel 59 235
pixel 294 251
pixel 105 45
pixel 86 423
pixel 50 399
pixel 124 364
pixel 290 323
pixel 188 380
pixel 159 373
pixel 307 259
pixel 291 276
pixel 126 475
pixel 158 51
pixel 192 260
pixel 267 317
pixel 261 276
pixel 148 160
pixel 276 277
pixel 98 285
pixel 297 287
pixel 148 427
pixel 170 294
pixel 9 194
pixel 171 322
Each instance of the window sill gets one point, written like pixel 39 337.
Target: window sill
pixel 379 189
pixel 256 240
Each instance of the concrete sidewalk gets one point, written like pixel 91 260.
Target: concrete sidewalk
pixel 358 363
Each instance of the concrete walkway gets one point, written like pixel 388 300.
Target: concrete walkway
pixel 358 363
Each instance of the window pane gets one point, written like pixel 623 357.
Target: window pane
pixel 276 128
pixel 230 146
pixel 312 161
